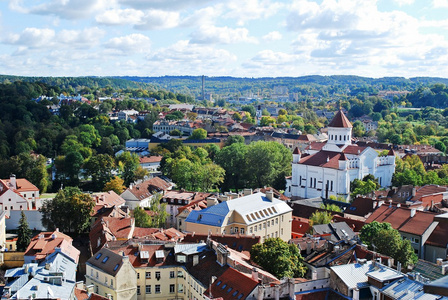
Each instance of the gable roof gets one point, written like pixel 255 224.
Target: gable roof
pixel 147 188
pixel 231 285
pixel 107 261
pixel 353 275
pixel 108 199
pixel 325 159
pixel 45 243
pixel 400 219
pixel 340 120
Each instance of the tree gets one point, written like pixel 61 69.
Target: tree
pixel 237 117
pixel 23 233
pixel 331 207
pixel 198 134
pixel 234 139
pixel 115 184
pixel 175 132
pixel 160 216
pixel 100 168
pixel 128 163
pixel 279 258
pixel 69 211
pixel 142 219
pixel 382 238
pixel 140 173
pixel 320 217
pixel 233 159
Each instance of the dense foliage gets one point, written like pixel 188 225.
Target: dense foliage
pixel 279 258
pixel 382 238
pixel 23 233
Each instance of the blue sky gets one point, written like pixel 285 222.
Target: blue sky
pixel 243 38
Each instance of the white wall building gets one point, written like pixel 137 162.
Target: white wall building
pixel 326 169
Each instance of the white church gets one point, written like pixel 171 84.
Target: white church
pixel 326 169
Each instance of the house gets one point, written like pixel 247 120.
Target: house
pixel 177 199
pixel 232 285
pixel 45 243
pixel 18 194
pixel 112 274
pixel 260 214
pixel 416 226
pixel 142 193
pixel 326 169
pixel 334 232
pixel 151 163
pixel 125 115
pixel 108 199
pixel 108 229
pixel 436 246
pixel 54 277
pixel 185 210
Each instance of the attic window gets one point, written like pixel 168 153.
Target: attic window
pixel 235 293
pixel 218 283
pixel 98 255
pixel 240 296
pixel 116 267
pixel 224 286
pixel 105 259
pixel 229 289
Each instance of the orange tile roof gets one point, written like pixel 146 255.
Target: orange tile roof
pixel 400 219
pixel 23 185
pixel 150 159
pixel 231 284
pixel 109 199
pixel 44 244
pixel 147 188
pixel 340 120
pixel 325 159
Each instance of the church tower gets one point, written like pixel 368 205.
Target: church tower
pixel 340 130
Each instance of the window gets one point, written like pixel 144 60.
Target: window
pixel 276 220
pixel 171 274
pixel 157 288
pixel 236 230
pixel 172 288
pixel 91 272
pixel 157 275
pixel 272 223
pixel 241 230
pixel 138 290
pixel 98 255
pixel 229 289
pixel 148 275
pixel 96 274
pixel 224 286
pixel 105 259
pixel 251 229
pixel 116 267
pixel 148 289
pixel 234 293
pixel 138 275
pixel 111 282
pixel 218 283
pixel 240 296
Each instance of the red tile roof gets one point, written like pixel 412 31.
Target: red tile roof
pixel 150 159
pixel 108 199
pixel 353 149
pixel 230 285
pixel 235 242
pixel 22 184
pixel 340 120
pixel 429 189
pixel 316 146
pixel 147 188
pixel 326 159
pixel 44 244
pixel 400 219
pixel 108 229
pixel 439 237
pixel 299 227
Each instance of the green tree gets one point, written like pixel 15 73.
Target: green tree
pixel 382 238
pixel 142 219
pixel 161 214
pixel 128 164
pixel 23 233
pixel 100 168
pixel 234 139
pixel 279 258
pixel 69 211
pixel 331 207
pixel 115 184
pixel 198 134
pixel 176 132
pixel 320 217
pixel 233 159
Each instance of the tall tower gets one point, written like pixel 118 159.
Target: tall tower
pixel 340 130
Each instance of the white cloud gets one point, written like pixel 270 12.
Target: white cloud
pixel 221 35
pixel 186 58
pixel 440 3
pixel 174 5
pixel 80 38
pixel 120 17
pixel 204 16
pixel 404 2
pixel 272 36
pixel 248 10
pixel 133 43
pixel 158 19
pixel 32 38
pixel 66 9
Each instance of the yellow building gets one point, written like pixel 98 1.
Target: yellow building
pixel 254 214
pixel 112 275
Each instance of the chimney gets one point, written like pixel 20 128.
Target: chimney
pixel 12 181
pixel 89 289
pixel 374 204
pixel 247 192
pixel 270 195
pixel 413 191
pixel 255 274
pixel 308 247
pixel 398 204
pixel 195 260
pixel 413 210
pixel 211 201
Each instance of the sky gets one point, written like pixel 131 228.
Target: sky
pixel 240 38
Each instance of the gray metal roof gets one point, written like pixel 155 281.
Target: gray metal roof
pixel 407 289
pixel 189 249
pixel 353 275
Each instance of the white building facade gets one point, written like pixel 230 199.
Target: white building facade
pixel 326 169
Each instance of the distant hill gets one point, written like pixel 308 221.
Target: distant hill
pixel 78 83
pixel 334 83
